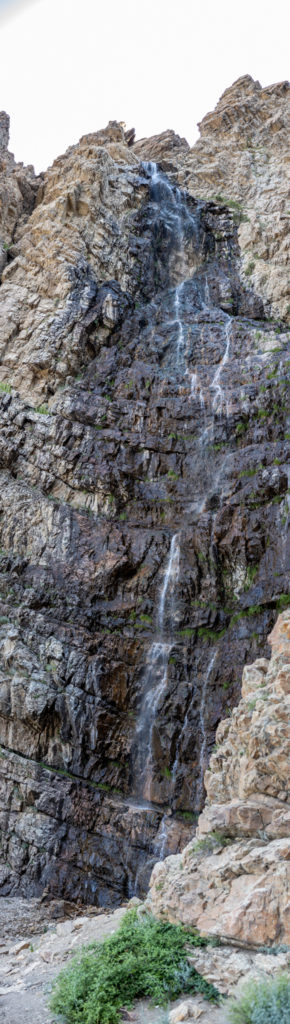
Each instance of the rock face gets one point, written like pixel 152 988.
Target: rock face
pixel 143 505
pixel 234 879
pixel 242 160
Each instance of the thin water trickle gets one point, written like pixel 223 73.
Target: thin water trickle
pixel 202 755
pixel 219 395
pixel 161 838
pixel 206 292
pixel 196 389
pixel 170 579
pixel 178 748
pixel 156 671
pixel 180 327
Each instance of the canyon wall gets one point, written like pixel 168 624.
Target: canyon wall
pixel 144 466
pixel 233 879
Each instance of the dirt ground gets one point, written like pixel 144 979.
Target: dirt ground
pixel 37 941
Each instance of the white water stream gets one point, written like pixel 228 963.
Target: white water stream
pixel 219 399
pixel 156 671
pixel 202 754
pixel 183 228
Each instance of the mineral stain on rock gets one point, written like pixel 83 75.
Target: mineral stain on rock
pixel 144 468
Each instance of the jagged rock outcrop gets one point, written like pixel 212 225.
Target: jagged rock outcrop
pixel 242 153
pixel 144 463
pixel 241 159
pixel 18 190
pixel 233 880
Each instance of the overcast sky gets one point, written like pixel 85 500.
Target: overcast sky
pixel 67 67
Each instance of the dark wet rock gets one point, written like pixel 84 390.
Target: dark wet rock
pixel 164 414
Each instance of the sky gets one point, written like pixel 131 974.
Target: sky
pixel 67 67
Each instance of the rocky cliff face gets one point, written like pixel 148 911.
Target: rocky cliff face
pixel 233 880
pixel 143 502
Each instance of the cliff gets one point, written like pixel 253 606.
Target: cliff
pixel 144 466
pixel 233 879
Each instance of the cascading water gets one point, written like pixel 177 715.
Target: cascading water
pixel 156 672
pixel 183 231
pixel 170 579
pixel 219 397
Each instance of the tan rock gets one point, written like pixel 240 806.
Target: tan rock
pixel 233 880
pixel 185 1011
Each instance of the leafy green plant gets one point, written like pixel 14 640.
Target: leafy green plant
pixel 4 386
pixel 43 409
pixel 262 1002
pixel 145 958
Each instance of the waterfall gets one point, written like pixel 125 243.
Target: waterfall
pixel 181 230
pixel 181 224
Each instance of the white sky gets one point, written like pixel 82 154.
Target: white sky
pixel 67 67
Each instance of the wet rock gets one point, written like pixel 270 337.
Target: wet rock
pixel 234 878
pixel 142 398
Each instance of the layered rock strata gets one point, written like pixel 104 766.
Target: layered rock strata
pixel 143 422
pixel 233 880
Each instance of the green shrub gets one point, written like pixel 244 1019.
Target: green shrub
pixel 262 1002
pixel 144 959
pixel 209 843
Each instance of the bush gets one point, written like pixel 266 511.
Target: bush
pixel 144 959
pixel 262 1002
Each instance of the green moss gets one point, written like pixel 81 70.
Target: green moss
pixel 4 386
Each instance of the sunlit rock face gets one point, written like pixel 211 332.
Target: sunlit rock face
pixel 233 880
pixel 143 507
